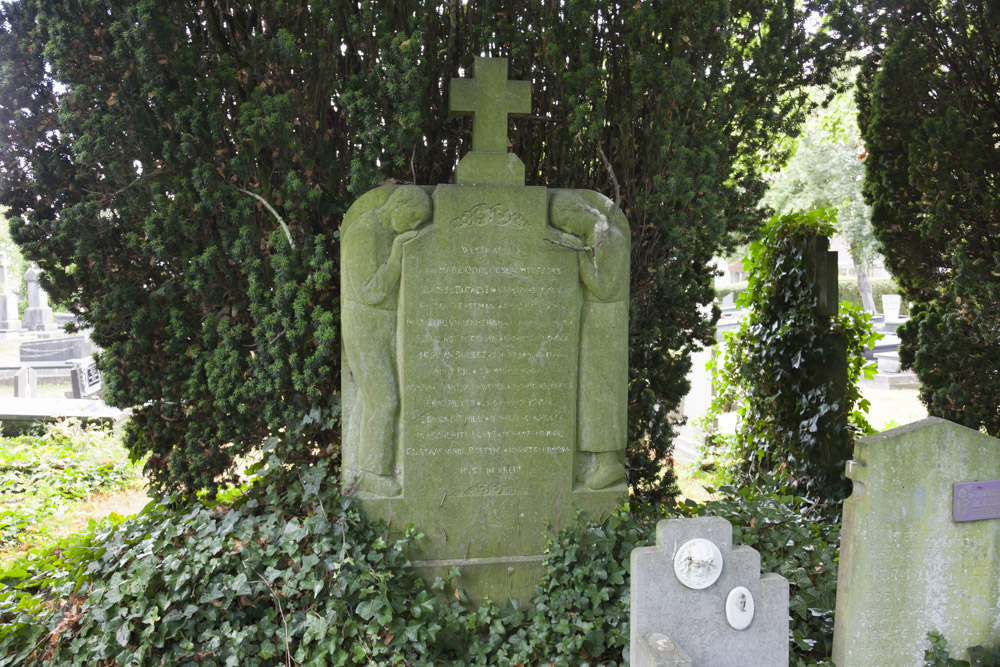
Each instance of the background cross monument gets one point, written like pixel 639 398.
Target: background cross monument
pixel 489 98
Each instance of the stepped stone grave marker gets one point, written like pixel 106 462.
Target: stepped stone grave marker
pixel 698 600
pixel 920 545
pixel 485 366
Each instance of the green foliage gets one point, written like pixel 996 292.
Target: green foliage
pixel 938 655
pixel 289 570
pixel 797 414
pixel 826 171
pixel 131 129
pixel 848 291
pixel 721 292
pixel 42 476
pixel 929 111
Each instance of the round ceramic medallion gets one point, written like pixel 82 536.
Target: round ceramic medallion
pixel 698 563
pixel 739 608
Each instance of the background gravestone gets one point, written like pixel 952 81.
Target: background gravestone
pixel 38 314
pixel 474 346
pixel 695 597
pixel 907 567
pixel 9 322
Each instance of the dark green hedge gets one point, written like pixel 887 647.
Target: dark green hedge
pixel 929 112
pixel 137 136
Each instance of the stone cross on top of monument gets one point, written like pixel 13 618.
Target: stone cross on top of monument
pixel 489 98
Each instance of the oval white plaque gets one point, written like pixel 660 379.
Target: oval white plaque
pixel 698 563
pixel 739 608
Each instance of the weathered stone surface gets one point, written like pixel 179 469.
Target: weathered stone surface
pixel 667 600
pixel 659 650
pixel 476 350
pixel 906 568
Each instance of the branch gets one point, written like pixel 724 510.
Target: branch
pixel 614 214
pixel 288 233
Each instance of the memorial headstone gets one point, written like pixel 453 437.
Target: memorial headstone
pixel 85 379
pixel 891 305
pixel 920 545
pixel 26 383
pixel 485 366
pixel 64 348
pixel 9 322
pixel 698 598
pixel 38 314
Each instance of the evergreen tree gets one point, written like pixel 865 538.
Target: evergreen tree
pixel 929 102
pixel 180 169
pixel 827 171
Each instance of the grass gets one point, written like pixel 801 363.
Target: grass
pixel 48 480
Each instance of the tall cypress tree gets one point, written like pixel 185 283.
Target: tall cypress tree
pixel 180 170
pixel 929 107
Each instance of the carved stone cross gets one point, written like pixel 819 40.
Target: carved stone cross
pixel 490 98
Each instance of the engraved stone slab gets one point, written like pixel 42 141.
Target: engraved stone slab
pixel 485 367
pixel 698 620
pixel 906 567
pixel 975 501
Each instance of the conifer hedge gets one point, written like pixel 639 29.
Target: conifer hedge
pixel 180 168
pixel 929 112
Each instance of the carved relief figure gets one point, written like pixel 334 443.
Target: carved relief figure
pixel 698 563
pixel 603 364
pixel 372 252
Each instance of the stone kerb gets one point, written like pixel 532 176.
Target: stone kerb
pixel 697 597
pixel 920 545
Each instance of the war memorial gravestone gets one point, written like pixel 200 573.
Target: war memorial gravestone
pixel 485 366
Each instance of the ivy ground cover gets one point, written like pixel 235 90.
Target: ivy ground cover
pixel 46 475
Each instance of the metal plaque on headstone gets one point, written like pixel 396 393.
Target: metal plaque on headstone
pixel 975 501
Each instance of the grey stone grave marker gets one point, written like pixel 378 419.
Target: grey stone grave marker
pixel 698 598
pixel 64 348
pixel 907 566
pixel 9 322
pixel 26 383
pixel 485 366
pixel 38 314
pixel 85 379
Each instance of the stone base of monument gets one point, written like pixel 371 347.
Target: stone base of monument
pixel 473 531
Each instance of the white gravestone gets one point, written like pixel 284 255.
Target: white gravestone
pixel 698 600
pixel 891 305
pixel 9 321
